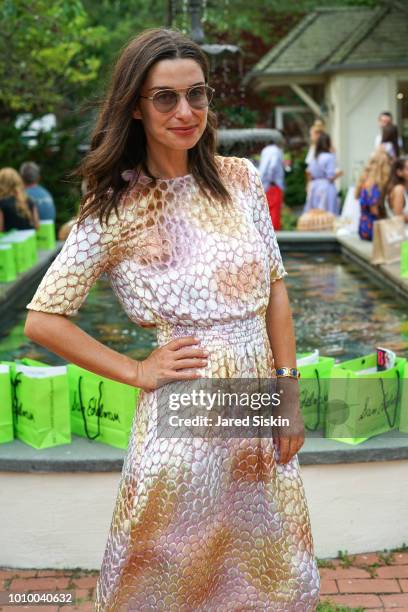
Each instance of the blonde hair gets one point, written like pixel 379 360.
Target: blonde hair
pixel 376 172
pixel 319 125
pixel 11 185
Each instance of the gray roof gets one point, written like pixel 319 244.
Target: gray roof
pixel 331 39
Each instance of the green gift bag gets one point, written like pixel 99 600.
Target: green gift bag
pixel 363 402
pixel 6 414
pixel 21 249
pixel 8 270
pixel 404 259
pixel 101 409
pixel 30 236
pixel 314 389
pixel 41 405
pixel 403 422
pixel 46 235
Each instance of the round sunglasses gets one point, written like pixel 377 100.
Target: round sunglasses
pixel 166 100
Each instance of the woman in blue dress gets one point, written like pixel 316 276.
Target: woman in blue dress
pixel 322 193
pixel 370 191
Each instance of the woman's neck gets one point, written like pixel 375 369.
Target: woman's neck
pixel 167 164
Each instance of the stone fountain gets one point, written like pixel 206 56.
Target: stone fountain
pixel 231 141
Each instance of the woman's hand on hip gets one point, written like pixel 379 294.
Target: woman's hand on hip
pixel 174 361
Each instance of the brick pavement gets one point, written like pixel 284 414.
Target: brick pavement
pixel 371 581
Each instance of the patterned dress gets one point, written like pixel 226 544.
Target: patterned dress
pixel 368 197
pixel 199 524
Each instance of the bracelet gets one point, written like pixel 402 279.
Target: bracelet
pixel 287 372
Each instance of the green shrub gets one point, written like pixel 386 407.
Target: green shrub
pixel 295 192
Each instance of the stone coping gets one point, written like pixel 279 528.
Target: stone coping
pixel 352 248
pixel 13 292
pixel 315 242
pixel 359 251
pixel 84 455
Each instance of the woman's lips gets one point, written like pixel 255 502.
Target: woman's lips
pixel 185 131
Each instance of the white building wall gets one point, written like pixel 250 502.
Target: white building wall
pixel 61 520
pixel 355 101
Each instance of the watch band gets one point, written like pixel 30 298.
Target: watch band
pixel 287 372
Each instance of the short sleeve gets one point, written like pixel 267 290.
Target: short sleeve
pixel 84 256
pixel 263 222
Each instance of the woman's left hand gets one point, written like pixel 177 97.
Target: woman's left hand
pixel 289 436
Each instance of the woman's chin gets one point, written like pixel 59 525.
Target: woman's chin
pixel 181 143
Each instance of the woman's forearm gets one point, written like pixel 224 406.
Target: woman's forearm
pixel 280 328
pixel 61 336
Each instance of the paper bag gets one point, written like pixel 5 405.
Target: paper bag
pixel 388 235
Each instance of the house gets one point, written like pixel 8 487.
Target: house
pixel 345 64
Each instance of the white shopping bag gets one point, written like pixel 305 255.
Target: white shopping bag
pixel 350 215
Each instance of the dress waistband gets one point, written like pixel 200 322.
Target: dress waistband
pixel 235 331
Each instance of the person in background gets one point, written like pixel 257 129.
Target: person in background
pixel 30 173
pixel 370 192
pixel 17 211
pixel 322 172
pixel 317 128
pixel 384 119
pixel 272 171
pixel 396 201
pixel 390 141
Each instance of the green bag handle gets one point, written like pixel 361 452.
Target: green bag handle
pixel 82 407
pixel 15 381
pixel 314 428
pixel 385 407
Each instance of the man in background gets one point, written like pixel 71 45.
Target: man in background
pixel 30 173
pixel 385 120
pixel 272 171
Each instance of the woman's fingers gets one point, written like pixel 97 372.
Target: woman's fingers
pixel 182 375
pixel 187 352
pixel 288 447
pixel 186 348
pixel 177 343
pixel 190 363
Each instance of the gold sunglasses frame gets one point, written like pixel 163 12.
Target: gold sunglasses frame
pixel 186 89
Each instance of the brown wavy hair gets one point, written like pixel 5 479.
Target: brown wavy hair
pixel 397 166
pixel 119 142
pixel 11 185
pixel 390 134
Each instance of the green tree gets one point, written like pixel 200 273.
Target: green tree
pixel 47 54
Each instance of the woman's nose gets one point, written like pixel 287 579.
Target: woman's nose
pixel 183 107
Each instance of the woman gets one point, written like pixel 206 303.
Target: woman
pixel 316 129
pixel 17 211
pixel 189 247
pixel 389 140
pixel 370 191
pixel 396 202
pixel 322 171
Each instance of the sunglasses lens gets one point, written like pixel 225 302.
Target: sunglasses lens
pixel 200 96
pixel 165 101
